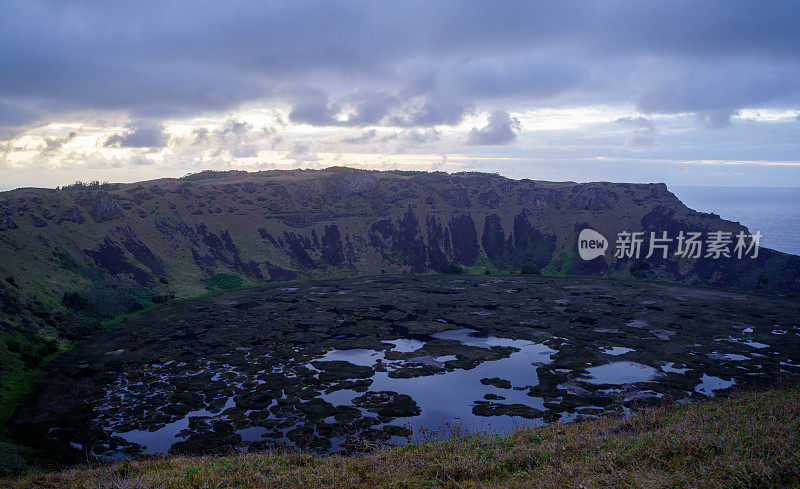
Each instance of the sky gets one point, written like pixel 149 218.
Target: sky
pixel 682 92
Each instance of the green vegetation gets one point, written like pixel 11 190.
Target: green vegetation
pixel 453 268
pixel 748 440
pixel 640 270
pixel 223 281
pixel 93 185
pixel 530 269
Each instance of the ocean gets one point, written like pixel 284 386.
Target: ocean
pixel 775 211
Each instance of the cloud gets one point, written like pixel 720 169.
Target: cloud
pixel 715 119
pixel 312 106
pixel 431 113
pixel 139 135
pixel 644 135
pixel 52 145
pixel 233 128
pixel 369 108
pixel 364 137
pixel 713 90
pixel 362 63
pixel 201 135
pixel 421 136
pixel 501 129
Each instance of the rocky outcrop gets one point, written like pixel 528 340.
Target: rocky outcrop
pixel 7 223
pixel 38 221
pixel 73 214
pixel 111 258
pixel 464 239
pixel 105 208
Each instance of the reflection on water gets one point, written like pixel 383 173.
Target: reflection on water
pixel 405 345
pixel 620 373
pixel 446 397
pixel 708 384
pixel 616 350
pixel 449 397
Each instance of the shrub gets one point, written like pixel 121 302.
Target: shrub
pixel 224 281
pixel 94 185
pixel 79 327
pixel 453 268
pixel 75 301
pixel 639 270
pixel 11 458
pixel 530 269
pixel 106 300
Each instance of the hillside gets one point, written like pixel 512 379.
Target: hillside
pixel 75 256
pixel 169 235
pixel 748 440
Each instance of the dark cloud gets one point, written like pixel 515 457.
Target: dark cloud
pixel 14 114
pixel 365 61
pixel 369 108
pixel 233 128
pixel 501 129
pixel 364 137
pixel 52 145
pixel 713 90
pixel 139 135
pixel 421 136
pixel 201 135
pixel 431 113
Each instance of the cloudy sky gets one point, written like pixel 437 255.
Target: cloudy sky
pixel 684 92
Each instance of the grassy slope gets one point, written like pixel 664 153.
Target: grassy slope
pixel 748 440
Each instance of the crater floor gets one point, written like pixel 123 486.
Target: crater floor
pixel 326 365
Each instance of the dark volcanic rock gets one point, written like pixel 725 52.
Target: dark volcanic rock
pixel 457 197
pixel 347 182
pixel 279 274
pixel 593 198
pixel 489 198
pixel 141 252
pixel 494 239
pixel 332 251
pixel 539 196
pixel 73 214
pixel 317 408
pixel 105 208
pixel 497 382
pixel 530 245
pixel 437 259
pixel 409 242
pixel 495 409
pixel 7 223
pixel 338 370
pixel 465 239
pixel 111 257
pixel 298 249
pixel 390 404
pixel 38 221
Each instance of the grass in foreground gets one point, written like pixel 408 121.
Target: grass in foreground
pixel 748 440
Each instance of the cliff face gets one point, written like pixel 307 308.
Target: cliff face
pixel 167 235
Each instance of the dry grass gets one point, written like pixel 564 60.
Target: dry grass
pixel 748 440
